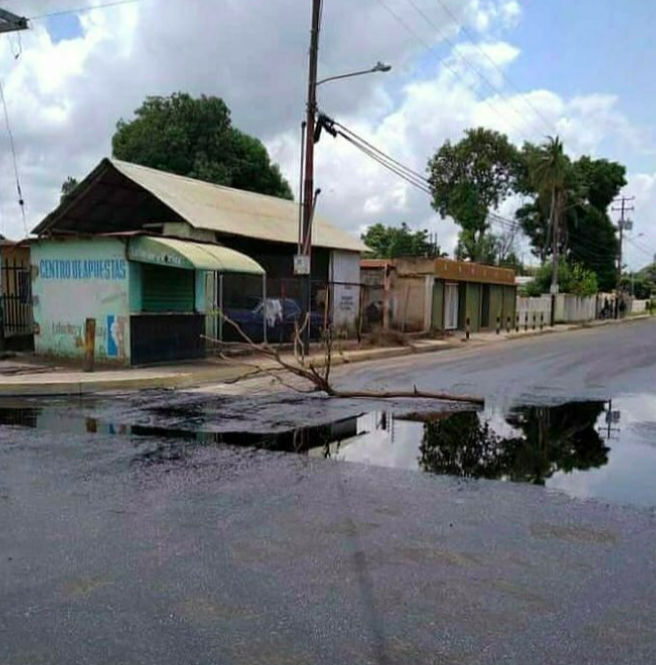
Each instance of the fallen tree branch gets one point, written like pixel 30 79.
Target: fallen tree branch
pixel 319 377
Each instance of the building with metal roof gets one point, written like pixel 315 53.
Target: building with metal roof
pixel 119 196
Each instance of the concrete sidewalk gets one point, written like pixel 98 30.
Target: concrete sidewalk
pixel 24 379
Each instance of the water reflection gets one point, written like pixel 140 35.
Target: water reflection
pixel 541 442
pixel 587 449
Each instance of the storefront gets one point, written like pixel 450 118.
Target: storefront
pixel 145 293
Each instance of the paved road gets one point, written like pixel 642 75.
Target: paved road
pixel 110 554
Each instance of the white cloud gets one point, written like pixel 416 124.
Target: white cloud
pixel 65 98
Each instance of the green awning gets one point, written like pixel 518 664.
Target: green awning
pixel 190 255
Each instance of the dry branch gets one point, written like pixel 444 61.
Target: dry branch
pixel 318 377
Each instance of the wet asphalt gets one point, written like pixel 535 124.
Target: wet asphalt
pixel 128 549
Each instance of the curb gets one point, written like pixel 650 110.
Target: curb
pixel 222 374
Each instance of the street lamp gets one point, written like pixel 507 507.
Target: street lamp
pixel 302 265
pixel 378 67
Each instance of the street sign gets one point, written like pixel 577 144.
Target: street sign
pixel 301 264
pixel 553 289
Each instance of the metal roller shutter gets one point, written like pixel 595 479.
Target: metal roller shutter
pixel 167 289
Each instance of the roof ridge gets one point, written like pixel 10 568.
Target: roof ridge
pixel 247 192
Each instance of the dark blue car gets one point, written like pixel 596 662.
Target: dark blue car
pixel 282 316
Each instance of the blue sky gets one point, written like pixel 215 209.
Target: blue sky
pixel 64 27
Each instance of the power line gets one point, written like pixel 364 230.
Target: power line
pixel 21 201
pixel 440 61
pixel 508 80
pixel 81 10
pixel 639 247
pixel 467 61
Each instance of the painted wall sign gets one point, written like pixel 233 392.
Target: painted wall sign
pixel 105 269
pixel 77 279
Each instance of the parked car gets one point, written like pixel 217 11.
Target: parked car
pixel 281 316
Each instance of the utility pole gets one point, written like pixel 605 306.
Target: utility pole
pixel 624 224
pixel 303 264
pixel 555 253
pixel 9 22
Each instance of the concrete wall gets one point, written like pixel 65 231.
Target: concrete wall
pixel 73 280
pixel 575 309
pixel 412 303
pixel 345 274
pixel 639 306
pixel 540 307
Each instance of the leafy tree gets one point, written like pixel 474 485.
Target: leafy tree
pixel 470 178
pixel 573 278
pixel 194 137
pixel 546 440
pixel 643 288
pixel 67 188
pixel 390 242
pixel 587 232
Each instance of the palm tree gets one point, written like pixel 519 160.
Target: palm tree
pixel 548 170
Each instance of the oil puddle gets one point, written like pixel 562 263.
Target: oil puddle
pixel 588 449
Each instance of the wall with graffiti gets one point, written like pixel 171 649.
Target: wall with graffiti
pixel 76 279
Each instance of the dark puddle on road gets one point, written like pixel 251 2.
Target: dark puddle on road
pixel 588 449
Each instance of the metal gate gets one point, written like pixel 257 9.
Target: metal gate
pixel 16 299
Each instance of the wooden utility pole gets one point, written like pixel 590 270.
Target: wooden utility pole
pixel 303 263
pixel 623 225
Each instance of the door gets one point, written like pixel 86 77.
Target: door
pixel 451 307
pixel 437 315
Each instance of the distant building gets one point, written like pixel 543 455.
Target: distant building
pixel 420 294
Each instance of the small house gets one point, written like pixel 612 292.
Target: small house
pixel 119 197
pixel 423 294
pixel 145 295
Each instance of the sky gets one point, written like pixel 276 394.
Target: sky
pixel 529 68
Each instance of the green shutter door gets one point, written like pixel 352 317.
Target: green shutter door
pixel 437 316
pixel 509 304
pixel 473 306
pixel 496 305
pixel 167 289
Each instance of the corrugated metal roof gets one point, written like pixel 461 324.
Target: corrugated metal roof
pixel 237 212
pixel 191 255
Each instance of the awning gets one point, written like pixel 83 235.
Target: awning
pixel 190 255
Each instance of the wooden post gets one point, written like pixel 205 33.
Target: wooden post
pixel 525 321
pixel 467 329
pixel 541 320
pixel 508 324
pixel 89 345
pixel 517 322
pixel 387 287
pixel 533 320
pixel 220 318
pixel 498 325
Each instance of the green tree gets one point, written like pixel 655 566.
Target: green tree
pixel 587 232
pixel 390 242
pixel 573 278
pixel 470 178
pixel 67 188
pixel 194 137
pixel 545 440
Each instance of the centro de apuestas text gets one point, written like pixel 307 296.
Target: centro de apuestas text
pixel 110 269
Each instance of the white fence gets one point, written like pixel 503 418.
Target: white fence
pixel 639 306
pixel 569 309
pixel 530 309
pixel 575 309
